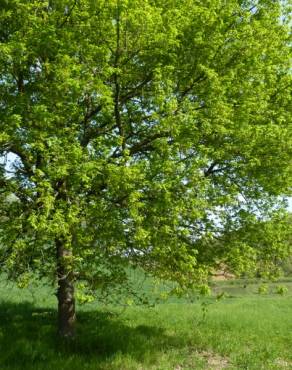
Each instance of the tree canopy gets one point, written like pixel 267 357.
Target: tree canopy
pixel 142 132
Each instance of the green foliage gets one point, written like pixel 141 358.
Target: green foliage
pixel 263 289
pixel 260 247
pixel 287 266
pixel 146 134
pixel 281 289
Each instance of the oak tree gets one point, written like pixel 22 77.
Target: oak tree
pixel 137 134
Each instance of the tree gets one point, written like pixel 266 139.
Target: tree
pixel 140 132
pixel 260 248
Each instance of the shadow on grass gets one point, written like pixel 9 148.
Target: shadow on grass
pixel 28 340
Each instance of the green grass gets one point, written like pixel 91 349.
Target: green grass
pixel 244 331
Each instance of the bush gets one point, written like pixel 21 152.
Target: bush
pixel 263 289
pixel 281 289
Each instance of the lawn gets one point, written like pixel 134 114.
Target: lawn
pixel 241 330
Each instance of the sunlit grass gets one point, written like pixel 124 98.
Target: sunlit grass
pixel 250 331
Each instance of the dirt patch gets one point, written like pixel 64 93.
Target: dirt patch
pixel 208 359
pixel 214 361
pixel 283 363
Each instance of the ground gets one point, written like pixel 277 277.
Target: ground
pixel 240 329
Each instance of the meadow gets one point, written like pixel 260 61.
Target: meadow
pixel 242 325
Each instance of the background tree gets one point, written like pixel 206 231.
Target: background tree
pixel 141 130
pixel 260 248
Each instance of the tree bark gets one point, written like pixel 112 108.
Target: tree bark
pixel 65 292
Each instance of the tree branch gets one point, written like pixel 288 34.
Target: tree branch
pixel 116 81
pixel 211 170
pixel 134 91
pixel 144 144
pixel 69 13
pixel 24 160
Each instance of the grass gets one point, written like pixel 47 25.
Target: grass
pixel 244 331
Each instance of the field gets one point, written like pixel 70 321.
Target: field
pixel 241 330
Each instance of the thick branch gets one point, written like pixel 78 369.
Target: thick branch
pixel 24 160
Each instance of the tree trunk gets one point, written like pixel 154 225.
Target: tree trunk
pixel 65 292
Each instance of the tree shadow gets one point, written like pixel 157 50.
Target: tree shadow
pixel 28 339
